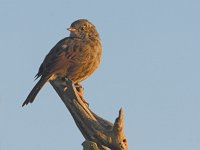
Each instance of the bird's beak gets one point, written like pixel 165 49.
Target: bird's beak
pixel 71 29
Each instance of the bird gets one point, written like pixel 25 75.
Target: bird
pixel 74 57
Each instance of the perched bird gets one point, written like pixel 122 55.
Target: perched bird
pixel 75 57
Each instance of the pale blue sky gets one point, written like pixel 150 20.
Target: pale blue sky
pixel 150 67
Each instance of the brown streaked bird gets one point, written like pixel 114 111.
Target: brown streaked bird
pixel 75 57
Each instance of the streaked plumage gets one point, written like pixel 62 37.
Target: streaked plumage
pixel 75 57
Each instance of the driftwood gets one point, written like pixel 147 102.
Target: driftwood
pixel 99 133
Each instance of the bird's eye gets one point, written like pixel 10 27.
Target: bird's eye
pixel 83 27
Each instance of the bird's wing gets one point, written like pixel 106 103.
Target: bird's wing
pixel 63 54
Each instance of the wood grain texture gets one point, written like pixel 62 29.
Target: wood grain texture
pixel 93 127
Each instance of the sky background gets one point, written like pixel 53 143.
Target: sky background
pixel 150 68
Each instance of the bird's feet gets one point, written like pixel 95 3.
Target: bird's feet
pixel 79 90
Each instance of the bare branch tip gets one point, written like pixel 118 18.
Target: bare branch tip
pixel 121 112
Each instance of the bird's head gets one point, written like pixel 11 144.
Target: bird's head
pixel 82 28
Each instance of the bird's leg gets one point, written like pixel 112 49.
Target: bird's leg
pixel 79 89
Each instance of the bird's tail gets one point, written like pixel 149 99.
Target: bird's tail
pixel 35 90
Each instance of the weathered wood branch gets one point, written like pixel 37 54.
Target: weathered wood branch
pixel 98 132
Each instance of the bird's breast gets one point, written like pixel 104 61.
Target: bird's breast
pixel 88 61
